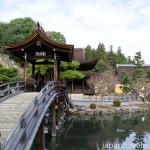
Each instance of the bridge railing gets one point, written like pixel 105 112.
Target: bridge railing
pixel 10 89
pixel 24 132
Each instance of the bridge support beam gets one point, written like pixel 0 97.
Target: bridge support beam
pixel 53 119
pixel 41 137
pixel 60 111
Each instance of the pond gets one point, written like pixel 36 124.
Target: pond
pixel 105 132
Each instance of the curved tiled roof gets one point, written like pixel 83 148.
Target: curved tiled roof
pixel 48 45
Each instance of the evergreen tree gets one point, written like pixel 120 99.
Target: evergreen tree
pixel 138 68
pixel 18 30
pixel 8 74
pixel 100 66
pixel 111 57
pixel 101 52
pixel 129 60
pixel 89 53
pixel 120 57
pixel 69 70
pixel 125 81
pixel 148 74
pixel 56 36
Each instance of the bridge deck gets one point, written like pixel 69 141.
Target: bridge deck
pixel 11 110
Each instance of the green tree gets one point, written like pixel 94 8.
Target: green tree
pixel 148 74
pixel 129 60
pixel 100 66
pixel 120 57
pixel 89 53
pixel 8 74
pixel 3 32
pixel 101 52
pixel 18 30
pixel 101 47
pixel 111 57
pixel 56 36
pixel 125 81
pixel 69 70
pixel 138 68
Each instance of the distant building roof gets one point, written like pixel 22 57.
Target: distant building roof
pixel 128 69
pixel 85 65
pixel 128 65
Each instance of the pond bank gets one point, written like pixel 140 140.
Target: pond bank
pixel 82 108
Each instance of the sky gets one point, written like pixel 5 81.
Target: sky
pixel 121 23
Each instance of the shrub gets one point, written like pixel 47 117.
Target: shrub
pixel 116 103
pixel 93 106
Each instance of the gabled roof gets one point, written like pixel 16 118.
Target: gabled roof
pixel 40 42
pixel 88 65
pixel 85 65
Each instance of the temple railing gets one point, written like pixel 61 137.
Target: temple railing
pixel 23 134
pixel 10 89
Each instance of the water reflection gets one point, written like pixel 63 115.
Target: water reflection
pixel 126 131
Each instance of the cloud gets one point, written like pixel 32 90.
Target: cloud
pixel 120 23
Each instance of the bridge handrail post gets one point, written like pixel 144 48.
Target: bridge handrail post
pixel 36 105
pixel 8 87
pixel 23 126
pixel 44 93
pixel 0 140
pixel 17 86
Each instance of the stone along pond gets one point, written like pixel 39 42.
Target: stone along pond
pixel 127 131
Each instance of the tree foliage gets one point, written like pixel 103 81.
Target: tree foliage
pixel 71 74
pixel 16 30
pixel 8 74
pixel 100 66
pixel 56 36
pixel 89 53
pixel 148 74
pixel 69 65
pixel 125 81
pixel 138 68
pixel 120 57
pixel 107 59
pixel 69 70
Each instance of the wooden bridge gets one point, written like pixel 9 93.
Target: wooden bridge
pixel 21 117
pixel 22 114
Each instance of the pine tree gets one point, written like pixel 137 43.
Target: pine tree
pixel 89 53
pixel 138 68
pixel 125 81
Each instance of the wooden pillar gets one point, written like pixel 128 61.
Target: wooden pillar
pixel 53 119
pixel 41 137
pixel 55 70
pixel 25 71
pixel 60 111
pixel 58 70
pixel 83 86
pixel 53 144
pixel 72 84
pixel 33 70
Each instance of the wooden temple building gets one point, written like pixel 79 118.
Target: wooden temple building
pixel 78 86
pixel 40 47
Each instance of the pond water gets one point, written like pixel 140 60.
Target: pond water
pixel 114 132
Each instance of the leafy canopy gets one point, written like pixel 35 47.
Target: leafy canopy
pixel 8 74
